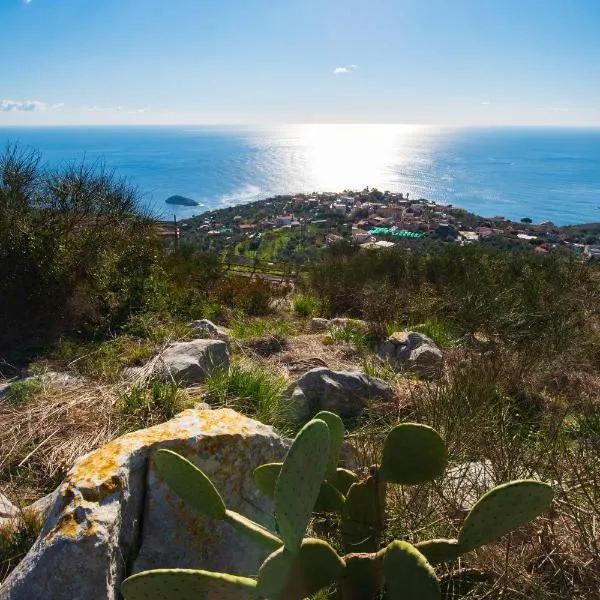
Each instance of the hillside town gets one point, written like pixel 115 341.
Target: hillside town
pixel 374 219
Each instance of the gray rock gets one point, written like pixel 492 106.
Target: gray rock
pixel 192 362
pixel 343 392
pixel 318 325
pixel 41 508
pixel 465 483
pixel 94 532
pixel 7 509
pixel 413 352
pixel 204 328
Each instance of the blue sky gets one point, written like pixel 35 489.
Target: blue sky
pixel 347 61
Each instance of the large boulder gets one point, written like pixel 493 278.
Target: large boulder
pixel 343 392
pixel 204 328
pixel 413 352
pixel 192 362
pixel 113 514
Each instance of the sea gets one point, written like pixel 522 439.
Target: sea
pixel 545 174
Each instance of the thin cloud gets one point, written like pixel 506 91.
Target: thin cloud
pixel 342 70
pixel 559 109
pixel 27 105
pixel 485 103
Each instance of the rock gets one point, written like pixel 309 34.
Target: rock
pixel 113 515
pixel 466 483
pixel 192 362
pixel 343 392
pixel 181 201
pixel 318 325
pixel 411 351
pixel 57 379
pixel 7 509
pixel 202 406
pixel 204 328
pixel 41 508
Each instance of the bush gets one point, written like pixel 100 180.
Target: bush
pixel 145 406
pixel 306 306
pixel 248 388
pixel 21 392
pixel 66 254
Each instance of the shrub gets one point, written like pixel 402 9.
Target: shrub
pixel 145 406
pixel 305 306
pixel 21 392
pixel 66 254
pixel 249 388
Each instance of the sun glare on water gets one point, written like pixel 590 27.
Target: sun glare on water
pixel 340 157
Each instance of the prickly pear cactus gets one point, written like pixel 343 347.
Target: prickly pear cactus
pixel 299 482
pixel 413 453
pixel 362 516
pixel 502 510
pixel 190 483
pixel 287 576
pixel 336 439
pixel 187 584
pixel 408 575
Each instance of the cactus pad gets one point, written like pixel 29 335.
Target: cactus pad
pixel 413 453
pixel 287 576
pixel 265 478
pixel 336 439
pixel 342 479
pixel 362 516
pixel 253 530
pixel 190 483
pixel 408 575
pixel 503 509
pixel 187 584
pixel 363 576
pixel 439 550
pixel 299 482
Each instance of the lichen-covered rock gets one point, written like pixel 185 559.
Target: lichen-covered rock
pixel 413 352
pixel 465 483
pixel 204 328
pixel 113 515
pixel 192 362
pixel 345 393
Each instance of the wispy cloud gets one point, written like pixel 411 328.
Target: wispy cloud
pixel 485 103
pixel 346 69
pixel 27 1
pixel 118 108
pixel 559 109
pixel 27 105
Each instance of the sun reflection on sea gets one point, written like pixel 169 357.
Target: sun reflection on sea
pixel 354 156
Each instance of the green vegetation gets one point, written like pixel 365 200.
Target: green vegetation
pixel 149 405
pixel 16 537
pixel 309 479
pixel 306 306
pixel 21 392
pixel 249 388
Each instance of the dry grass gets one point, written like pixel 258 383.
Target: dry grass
pixel 40 440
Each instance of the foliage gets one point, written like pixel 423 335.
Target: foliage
pixel 250 388
pixel 530 302
pixel 66 252
pixel 308 480
pixel 306 306
pixel 21 392
pixel 16 537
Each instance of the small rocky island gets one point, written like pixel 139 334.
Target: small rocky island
pixel 181 201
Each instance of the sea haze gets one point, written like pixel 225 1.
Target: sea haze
pixel 541 173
